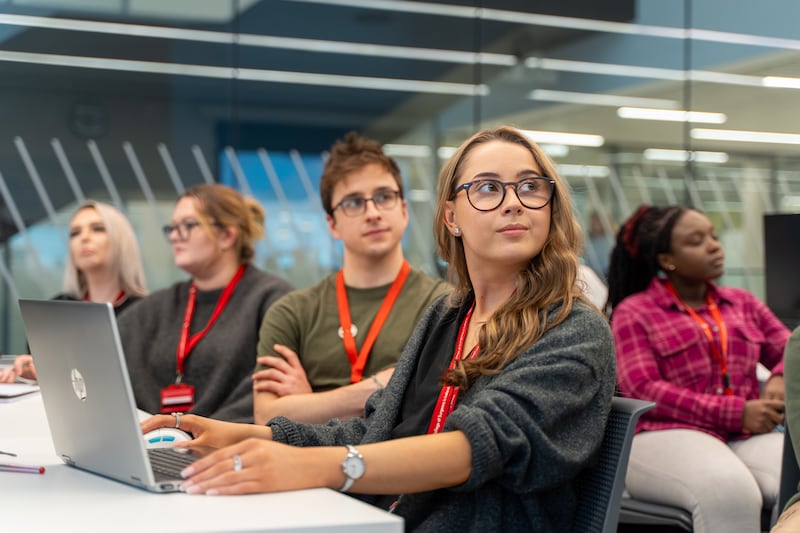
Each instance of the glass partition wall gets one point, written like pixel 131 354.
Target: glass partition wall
pixel 637 101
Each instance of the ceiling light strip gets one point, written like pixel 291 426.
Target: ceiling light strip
pixel 378 50
pixel 570 139
pixel 395 52
pixel 633 71
pixel 117 28
pixel 272 76
pixel 745 136
pixel 609 69
pixel 663 154
pixel 672 115
pixel 781 81
pixel 263 41
pixel 612 100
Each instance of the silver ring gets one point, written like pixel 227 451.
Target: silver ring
pixel 237 463
pixel 177 420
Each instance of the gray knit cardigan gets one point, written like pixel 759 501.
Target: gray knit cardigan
pixel 533 428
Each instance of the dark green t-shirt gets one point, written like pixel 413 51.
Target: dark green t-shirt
pixel 307 321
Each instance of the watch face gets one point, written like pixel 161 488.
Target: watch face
pixel 353 467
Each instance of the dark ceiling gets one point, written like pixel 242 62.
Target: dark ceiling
pixel 242 109
pixel 250 114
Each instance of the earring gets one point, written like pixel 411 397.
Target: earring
pixel 457 231
pixel 671 268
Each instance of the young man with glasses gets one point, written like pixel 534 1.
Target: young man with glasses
pixel 326 349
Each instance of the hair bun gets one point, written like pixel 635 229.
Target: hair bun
pixel 629 231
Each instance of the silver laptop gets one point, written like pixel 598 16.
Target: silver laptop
pixel 88 397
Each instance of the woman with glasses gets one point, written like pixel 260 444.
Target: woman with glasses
pixel 692 347
pixel 500 398
pixel 103 265
pixel 325 349
pixel 191 347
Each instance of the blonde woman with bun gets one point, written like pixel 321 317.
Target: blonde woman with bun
pixel 190 347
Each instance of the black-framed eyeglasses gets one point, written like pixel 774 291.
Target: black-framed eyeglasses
pixel 183 229
pixel 489 194
pixel 356 205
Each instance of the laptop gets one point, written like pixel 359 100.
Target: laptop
pixel 88 398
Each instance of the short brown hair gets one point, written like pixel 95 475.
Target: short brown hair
pixel 349 154
pixel 218 204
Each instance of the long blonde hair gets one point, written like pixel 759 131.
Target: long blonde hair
pixel 124 257
pixel 545 286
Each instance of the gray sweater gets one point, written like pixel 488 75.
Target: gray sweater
pixel 220 365
pixel 533 427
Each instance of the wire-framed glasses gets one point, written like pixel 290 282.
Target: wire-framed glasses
pixel 356 205
pixel 486 194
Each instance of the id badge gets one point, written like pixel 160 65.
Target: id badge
pixel 177 398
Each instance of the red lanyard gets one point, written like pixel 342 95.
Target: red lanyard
pixel 186 344
pixel 721 353
pixel 118 300
pixel 358 360
pixel 449 393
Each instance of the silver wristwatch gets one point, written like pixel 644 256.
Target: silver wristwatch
pixel 353 467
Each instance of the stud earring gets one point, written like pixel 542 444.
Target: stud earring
pixel 457 231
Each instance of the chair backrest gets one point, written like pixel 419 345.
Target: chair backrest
pixel 600 487
pixel 790 472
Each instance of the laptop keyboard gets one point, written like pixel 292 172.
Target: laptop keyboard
pixel 168 462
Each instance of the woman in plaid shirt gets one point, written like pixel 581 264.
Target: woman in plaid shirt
pixel 692 347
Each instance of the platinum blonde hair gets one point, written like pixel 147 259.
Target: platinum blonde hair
pixel 124 256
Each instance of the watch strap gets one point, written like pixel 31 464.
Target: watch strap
pixel 352 453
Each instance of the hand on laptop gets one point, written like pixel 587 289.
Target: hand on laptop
pixel 22 368
pixel 207 431
pixel 284 376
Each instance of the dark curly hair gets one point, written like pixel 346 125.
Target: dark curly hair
pixel 634 259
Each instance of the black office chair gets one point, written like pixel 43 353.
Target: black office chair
pixel 600 487
pixel 648 514
pixel 790 472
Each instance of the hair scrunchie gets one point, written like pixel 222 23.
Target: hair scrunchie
pixel 629 231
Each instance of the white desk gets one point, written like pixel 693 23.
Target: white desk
pixel 66 499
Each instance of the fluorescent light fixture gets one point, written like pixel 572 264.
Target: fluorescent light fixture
pixel 673 115
pixel 584 171
pixel 745 136
pixel 634 71
pixel 570 139
pixel 407 150
pixel 419 195
pixel 659 154
pixel 444 55
pixel 262 41
pixel 781 81
pixel 613 100
pixel 555 150
pixel 446 152
pixel 249 74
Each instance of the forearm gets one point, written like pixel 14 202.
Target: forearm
pixel 317 407
pixel 401 466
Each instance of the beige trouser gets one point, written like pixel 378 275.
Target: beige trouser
pixel 724 486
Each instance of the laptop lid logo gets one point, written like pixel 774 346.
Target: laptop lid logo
pixel 78 385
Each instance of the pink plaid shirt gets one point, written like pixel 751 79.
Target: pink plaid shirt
pixel 663 356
